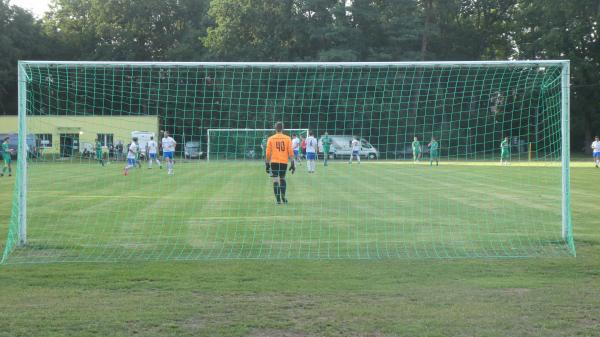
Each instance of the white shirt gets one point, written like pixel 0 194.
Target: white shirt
pixel 355 145
pixel 596 146
pixel 151 146
pixel 168 144
pixel 311 144
pixel 295 143
pixel 133 148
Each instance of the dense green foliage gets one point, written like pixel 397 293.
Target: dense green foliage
pixel 469 109
pixel 312 30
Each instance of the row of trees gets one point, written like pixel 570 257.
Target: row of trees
pixel 312 30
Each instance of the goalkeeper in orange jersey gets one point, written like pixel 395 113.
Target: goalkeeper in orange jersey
pixel 279 152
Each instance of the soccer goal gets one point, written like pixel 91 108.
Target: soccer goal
pixel 425 160
pixel 237 144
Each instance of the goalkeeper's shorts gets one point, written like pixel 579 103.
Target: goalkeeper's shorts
pixel 278 170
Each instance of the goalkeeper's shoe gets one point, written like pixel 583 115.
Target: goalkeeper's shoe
pixel 284 200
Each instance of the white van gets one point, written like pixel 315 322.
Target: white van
pixel 341 147
pixel 143 138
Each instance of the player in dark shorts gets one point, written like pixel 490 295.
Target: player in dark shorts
pixel 279 152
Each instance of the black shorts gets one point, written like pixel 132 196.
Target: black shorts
pixel 278 170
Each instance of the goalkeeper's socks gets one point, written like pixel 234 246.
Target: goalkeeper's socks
pixel 276 191
pixel 282 189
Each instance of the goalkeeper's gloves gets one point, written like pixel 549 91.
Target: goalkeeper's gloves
pixel 293 167
pixel 268 168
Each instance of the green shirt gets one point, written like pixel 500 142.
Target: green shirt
pixel 416 146
pixel 326 141
pixel 5 149
pixel 263 144
pixel 505 146
pixel 434 146
pixel 98 147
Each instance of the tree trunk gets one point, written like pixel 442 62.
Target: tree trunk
pixel 587 131
pixel 428 9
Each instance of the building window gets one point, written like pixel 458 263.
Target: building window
pixel 106 139
pixel 44 139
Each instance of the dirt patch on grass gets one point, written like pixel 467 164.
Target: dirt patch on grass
pixel 276 333
pixel 516 291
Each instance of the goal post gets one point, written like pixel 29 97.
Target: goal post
pixel 567 226
pixel 241 143
pixel 22 156
pixel 466 159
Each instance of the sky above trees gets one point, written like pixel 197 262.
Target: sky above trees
pixel 37 7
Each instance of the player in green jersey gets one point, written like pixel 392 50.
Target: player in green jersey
pixel 6 157
pixel 326 143
pixel 99 152
pixel 434 152
pixel 138 155
pixel 416 149
pixel 505 151
pixel 263 146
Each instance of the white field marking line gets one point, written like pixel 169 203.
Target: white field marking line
pixel 123 196
pixel 241 217
pixel 475 163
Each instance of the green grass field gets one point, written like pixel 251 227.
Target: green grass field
pixel 351 255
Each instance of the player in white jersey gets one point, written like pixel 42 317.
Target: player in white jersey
pixel 311 151
pixel 596 150
pixel 296 148
pixel 152 149
pixel 168 146
pixel 355 145
pixel 131 155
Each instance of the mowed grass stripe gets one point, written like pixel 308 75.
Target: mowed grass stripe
pixel 227 210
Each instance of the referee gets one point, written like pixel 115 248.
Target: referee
pixel 279 151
